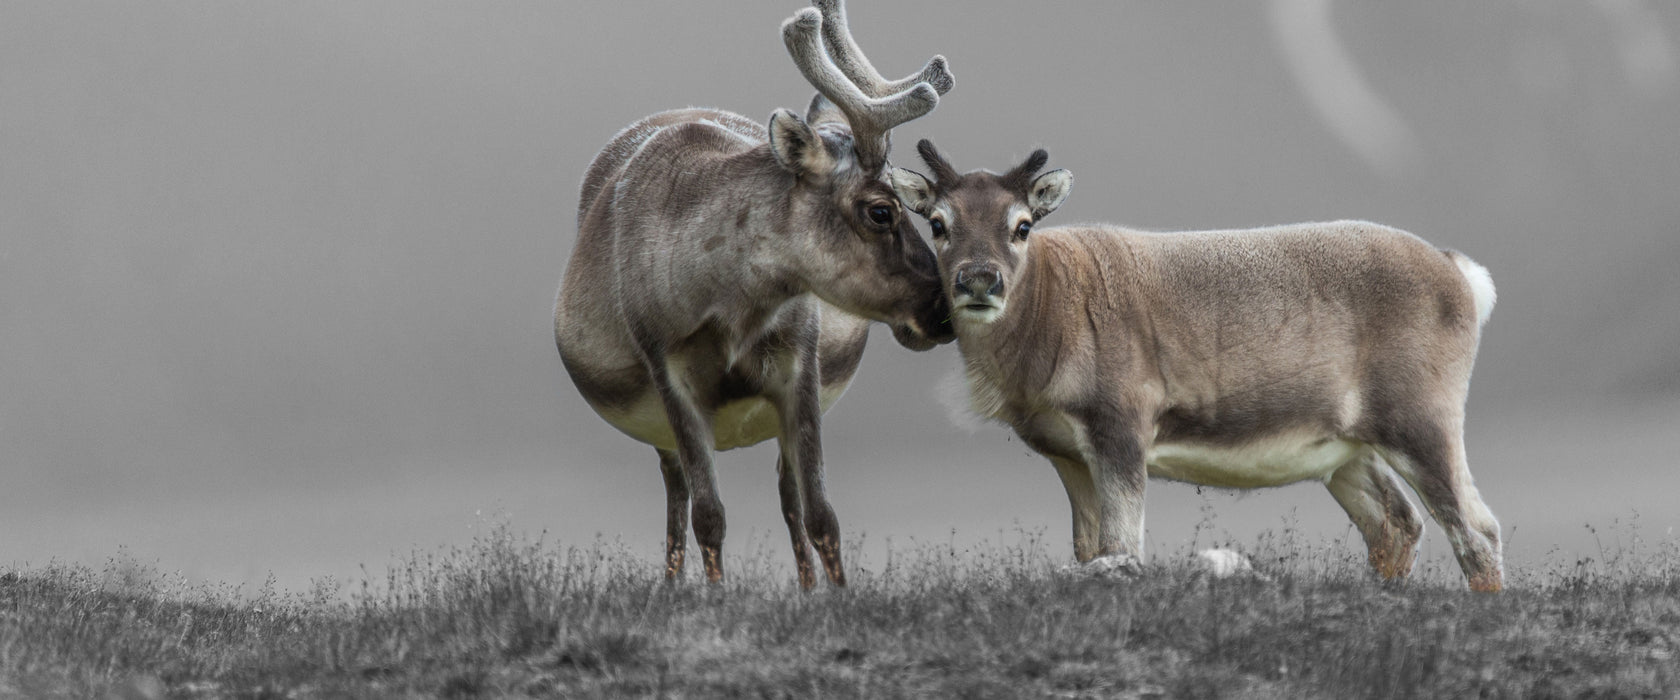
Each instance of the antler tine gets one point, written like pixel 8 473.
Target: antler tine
pixel 871 118
pixel 846 54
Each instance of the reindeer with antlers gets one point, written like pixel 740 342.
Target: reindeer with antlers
pixel 1337 352
pixel 725 273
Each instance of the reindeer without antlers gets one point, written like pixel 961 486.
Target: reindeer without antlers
pixel 1239 359
pixel 714 296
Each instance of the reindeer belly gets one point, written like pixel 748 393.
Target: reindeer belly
pixel 744 422
pixel 740 423
pixel 1273 460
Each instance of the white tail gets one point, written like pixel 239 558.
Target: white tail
pixel 1481 285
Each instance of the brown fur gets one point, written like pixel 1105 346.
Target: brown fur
pixel 722 281
pixel 1118 352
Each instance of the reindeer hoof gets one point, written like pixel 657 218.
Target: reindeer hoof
pixel 1111 567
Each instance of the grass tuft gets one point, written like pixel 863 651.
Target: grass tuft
pixel 513 616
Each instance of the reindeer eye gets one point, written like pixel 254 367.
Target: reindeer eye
pixel 938 227
pixel 881 215
pixel 1023 228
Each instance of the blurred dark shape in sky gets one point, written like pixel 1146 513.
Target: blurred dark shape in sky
pixel 270 270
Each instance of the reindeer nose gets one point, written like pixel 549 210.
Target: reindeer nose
pixel 979 281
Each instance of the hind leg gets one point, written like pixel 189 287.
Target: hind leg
pixel 676 514
pixel 1374 499
pixel 1432 461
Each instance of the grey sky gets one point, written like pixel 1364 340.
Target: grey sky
pixel 275 277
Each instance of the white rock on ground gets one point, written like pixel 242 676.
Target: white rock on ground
pixel 1223 563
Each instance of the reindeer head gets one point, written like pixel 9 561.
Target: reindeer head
pixel 982 224
pixel 837 154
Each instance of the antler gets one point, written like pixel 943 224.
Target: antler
pixel 1022 174
pixel 851 61
pixel 872 105
pixel 943 173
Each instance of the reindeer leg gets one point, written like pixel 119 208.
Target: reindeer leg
pixel 793 512
pixel 676 514
pixel 1371 494
pixel 821 524
pixel 694 453
pixel 1116 460
pixel 1431 459
pixel 801 443
pixel 1082 498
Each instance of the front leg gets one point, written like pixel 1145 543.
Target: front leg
pixel 691 425
pixel 1082 499
pixel 1114 451
pixel 793 513
pixel 801 444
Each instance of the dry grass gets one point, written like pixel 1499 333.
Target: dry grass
pixel 512 617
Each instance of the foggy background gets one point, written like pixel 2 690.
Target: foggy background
pixel 276 277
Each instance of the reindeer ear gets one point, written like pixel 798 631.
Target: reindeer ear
pixel 822 112
pixel 797 147
pixel 1048 191
pixel 914 190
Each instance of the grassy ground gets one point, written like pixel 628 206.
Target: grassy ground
pixel 511 617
